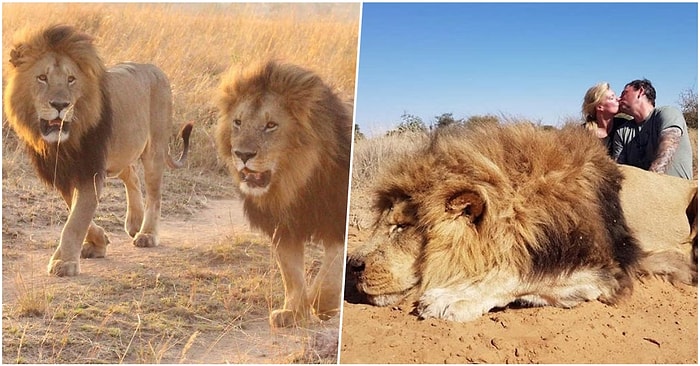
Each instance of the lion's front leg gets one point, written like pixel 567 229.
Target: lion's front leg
pixel 446 303
pixel 325 293
pixel 469 300
pixel 65 261
pixel 296 311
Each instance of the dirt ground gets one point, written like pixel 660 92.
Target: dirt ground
pixel 146 305
pixel 657 324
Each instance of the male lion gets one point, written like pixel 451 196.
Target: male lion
pixel 487 215
pixel 662 212
pixel 82 123
pixel 285 136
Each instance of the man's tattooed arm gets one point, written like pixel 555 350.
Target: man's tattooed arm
pixel 669 140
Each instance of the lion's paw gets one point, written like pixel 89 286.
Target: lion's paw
pixel 285 318
pixel 443 304
pixel 61 268
pixel 92 250
pixel 145 240
pixel 132 226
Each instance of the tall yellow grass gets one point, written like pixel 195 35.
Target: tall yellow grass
pixel 195 43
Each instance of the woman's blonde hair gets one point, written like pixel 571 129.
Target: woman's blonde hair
pixel 594 96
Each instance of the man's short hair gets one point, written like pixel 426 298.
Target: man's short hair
pixel 649 90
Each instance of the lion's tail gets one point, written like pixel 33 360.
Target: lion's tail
pixel 185 132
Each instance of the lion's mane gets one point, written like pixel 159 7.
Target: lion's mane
pixel 83 155
pixel 550 205
pixel 299 206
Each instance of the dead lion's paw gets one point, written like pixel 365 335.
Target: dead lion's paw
pixel 61 268
pixel 285 318
pixel 145 240
pixel 443 304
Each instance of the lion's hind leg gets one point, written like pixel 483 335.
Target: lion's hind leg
pixel 95 244
pixel 297 310
pixel 325 293
pixel 153 176
pixel 134 201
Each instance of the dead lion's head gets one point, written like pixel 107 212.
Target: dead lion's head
pixel 487 215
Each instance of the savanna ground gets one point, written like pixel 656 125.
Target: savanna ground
pixel 203 295
pixel 657 324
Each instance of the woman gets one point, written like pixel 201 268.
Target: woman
pixel 600 105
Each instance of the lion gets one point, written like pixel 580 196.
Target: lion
pixel 81 123
pixel 488 215
pixel 285 137
pixel 661 210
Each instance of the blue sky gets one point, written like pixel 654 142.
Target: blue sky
pixel 530 60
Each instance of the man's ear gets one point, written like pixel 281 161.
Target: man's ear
pixel 466 203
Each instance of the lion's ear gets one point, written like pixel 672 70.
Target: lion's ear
pixel 468 204
pixel 16 58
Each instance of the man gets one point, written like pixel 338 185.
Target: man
pixel 656 139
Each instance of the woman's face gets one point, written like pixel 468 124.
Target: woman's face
pixel 610 103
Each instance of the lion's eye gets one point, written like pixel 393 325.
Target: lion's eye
pixel 71 80
pixel 271 126
pixel 237 123
pixel 42 78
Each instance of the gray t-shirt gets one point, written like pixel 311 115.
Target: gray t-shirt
pixel 637 144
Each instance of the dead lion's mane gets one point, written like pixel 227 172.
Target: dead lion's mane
pixel 536 217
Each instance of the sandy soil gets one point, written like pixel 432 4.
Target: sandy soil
pixel 657 324
pixel 250 341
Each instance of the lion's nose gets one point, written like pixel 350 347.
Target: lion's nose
pixel 245 155
pixel 356 265
pixel 59 106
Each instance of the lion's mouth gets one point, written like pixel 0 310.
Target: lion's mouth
pixel 53 126
pixel 379 295
pixel 255 179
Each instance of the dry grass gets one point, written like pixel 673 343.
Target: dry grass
pixel 195 43
pixel 187 301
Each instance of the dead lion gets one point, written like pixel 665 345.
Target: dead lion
pixel 285 136
pixel 661 210
pixel 489 215
pixel 82 123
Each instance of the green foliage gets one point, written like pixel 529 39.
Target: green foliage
pixel 445 119
pixel 689 106
pixel 358 136
pixel 409 123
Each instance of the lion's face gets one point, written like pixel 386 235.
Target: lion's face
pixel 56 86
pixel 53 87
pixel 263 137
pixel 386 267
